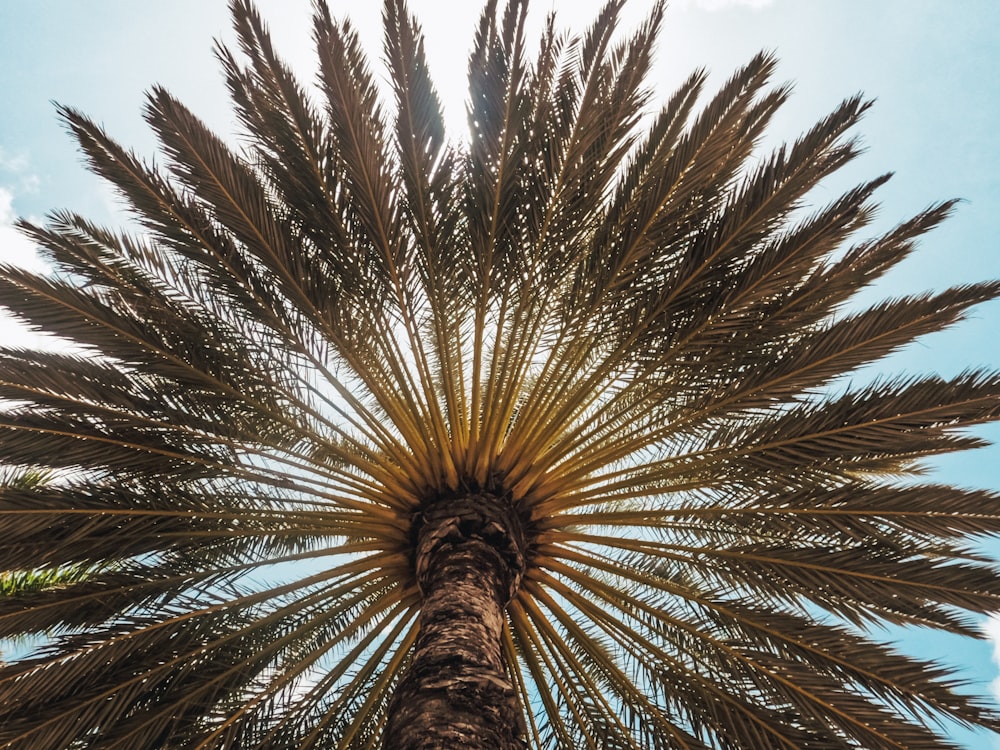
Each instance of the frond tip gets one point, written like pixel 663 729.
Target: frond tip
pixel 581 377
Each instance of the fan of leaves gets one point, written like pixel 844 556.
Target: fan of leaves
pixel 637 327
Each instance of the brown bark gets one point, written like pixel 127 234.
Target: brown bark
pixel 468 558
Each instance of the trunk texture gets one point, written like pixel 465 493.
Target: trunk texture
pixel 468 558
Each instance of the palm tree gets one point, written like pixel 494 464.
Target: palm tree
pixel 547 439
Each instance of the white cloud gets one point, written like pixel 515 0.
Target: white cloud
pixel 17 165
pixel 15 248
pixel 716 5
pixel 13 163
pixel 991 628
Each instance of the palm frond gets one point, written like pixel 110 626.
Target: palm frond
pixel 630 331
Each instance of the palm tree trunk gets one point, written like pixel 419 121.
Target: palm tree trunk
pixel 468 558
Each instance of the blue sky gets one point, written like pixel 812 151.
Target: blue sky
pixel 932 65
